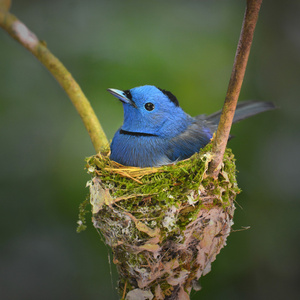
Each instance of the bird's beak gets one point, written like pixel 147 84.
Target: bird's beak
pixel 121 95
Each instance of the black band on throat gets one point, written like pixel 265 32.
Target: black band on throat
pixel 136 133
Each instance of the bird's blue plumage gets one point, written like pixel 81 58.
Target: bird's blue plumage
pixel 156 131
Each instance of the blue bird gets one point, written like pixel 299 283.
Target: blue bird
pixel 156 131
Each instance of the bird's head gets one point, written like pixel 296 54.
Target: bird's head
pixel 151 110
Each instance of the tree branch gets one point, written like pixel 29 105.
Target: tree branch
pixel 38 48
pixel 235 84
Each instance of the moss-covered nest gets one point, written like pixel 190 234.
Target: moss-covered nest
pixel 165 225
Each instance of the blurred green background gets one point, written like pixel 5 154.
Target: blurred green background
pixel 186 47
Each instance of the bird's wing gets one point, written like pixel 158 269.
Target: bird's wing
pixel 195 137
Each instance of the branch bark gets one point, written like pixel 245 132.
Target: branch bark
pixel 29 40
pixel 239 67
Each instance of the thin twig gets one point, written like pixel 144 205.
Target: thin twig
pixel 38 48
pixel 235 84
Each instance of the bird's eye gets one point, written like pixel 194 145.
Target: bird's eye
pixel 149 106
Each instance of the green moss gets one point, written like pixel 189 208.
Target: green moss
pixel 83 210
pixel 151 195
pixel 170 186
pixel 144 211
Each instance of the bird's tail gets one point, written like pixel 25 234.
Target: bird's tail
pixel 244 110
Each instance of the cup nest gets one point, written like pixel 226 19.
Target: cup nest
pixel 164 225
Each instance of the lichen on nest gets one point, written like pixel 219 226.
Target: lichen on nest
pixel 165 225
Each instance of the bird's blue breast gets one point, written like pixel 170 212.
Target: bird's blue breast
pixel 149 150
pixel 138 150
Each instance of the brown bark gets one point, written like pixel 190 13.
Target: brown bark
pixel 235 84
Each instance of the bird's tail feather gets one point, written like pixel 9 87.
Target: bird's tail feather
pixel 244 110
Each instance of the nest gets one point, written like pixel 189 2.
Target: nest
pixel 164 225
